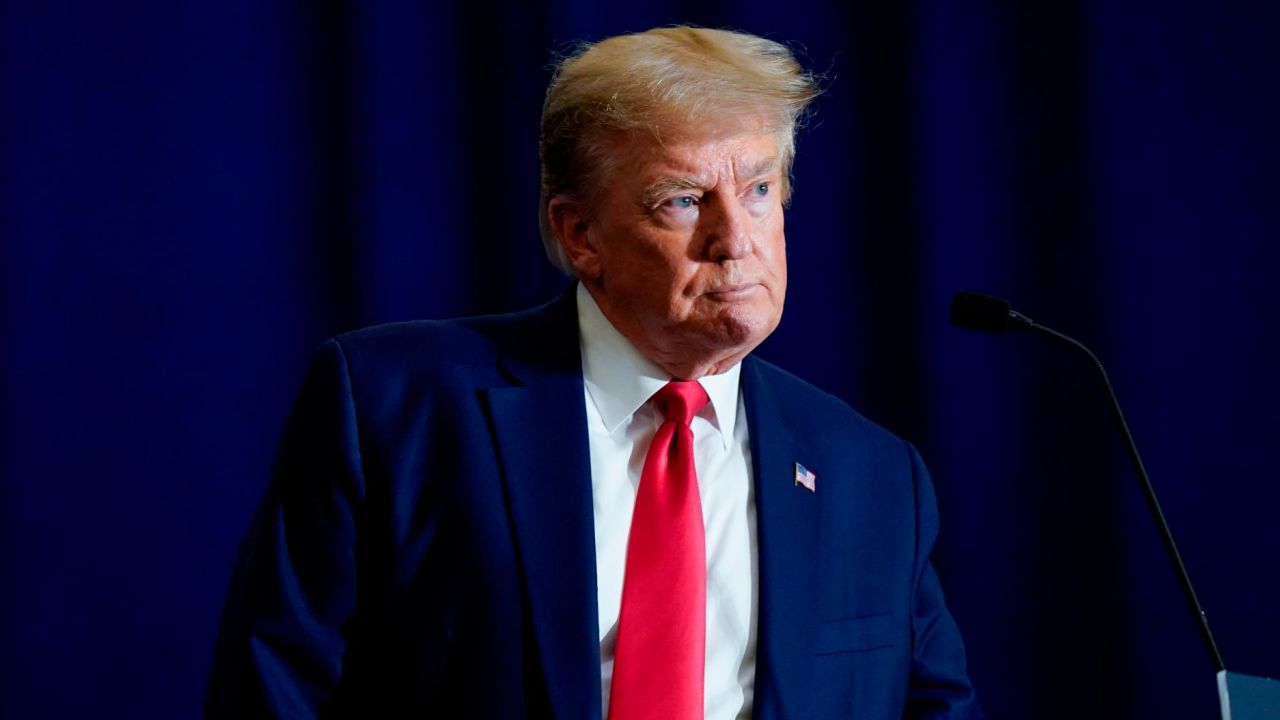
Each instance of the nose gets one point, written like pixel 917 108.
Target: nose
pixel 728 231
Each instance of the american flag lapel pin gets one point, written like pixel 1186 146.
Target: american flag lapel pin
pixel 805 478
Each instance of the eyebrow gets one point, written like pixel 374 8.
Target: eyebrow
pixel 763 167
pixel 663 185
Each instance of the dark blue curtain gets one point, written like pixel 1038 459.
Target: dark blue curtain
pixel 194 195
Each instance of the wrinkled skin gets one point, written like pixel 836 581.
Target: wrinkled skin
pixel 683 249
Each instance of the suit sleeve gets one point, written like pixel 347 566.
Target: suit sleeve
pixel 939 686
pixel 280 648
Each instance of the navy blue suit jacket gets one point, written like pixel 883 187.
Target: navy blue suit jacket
pixel 426 548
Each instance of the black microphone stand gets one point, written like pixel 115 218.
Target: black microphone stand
pixel 1242 697
pixel 1148 491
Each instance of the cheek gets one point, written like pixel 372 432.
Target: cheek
pixel 625 261
pixel 773 250
pixel 769 227
pixel 651 278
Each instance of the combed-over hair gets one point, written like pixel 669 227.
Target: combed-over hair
pixel 671 82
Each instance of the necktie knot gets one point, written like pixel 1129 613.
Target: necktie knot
pixel 680 400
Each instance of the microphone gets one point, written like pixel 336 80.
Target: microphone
pixel 975 311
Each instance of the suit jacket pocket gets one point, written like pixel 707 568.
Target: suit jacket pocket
pixel 855 634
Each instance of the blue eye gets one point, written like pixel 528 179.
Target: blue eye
pixel 684 202
pixel 761 188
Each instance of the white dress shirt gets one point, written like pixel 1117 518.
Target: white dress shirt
pixel 618 382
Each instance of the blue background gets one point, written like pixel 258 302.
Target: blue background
pixel 194 195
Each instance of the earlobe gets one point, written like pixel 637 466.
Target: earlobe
pixel 571 228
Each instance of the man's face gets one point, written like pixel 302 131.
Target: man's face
pixel 687 256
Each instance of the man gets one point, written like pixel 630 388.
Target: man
pixel 603 506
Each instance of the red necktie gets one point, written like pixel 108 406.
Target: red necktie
pixel 662 629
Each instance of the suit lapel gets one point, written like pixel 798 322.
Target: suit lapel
pixel 787 539
pixel 541 437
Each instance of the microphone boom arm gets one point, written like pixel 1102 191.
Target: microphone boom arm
pixel 1166 535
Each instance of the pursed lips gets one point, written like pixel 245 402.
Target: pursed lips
pixel 733 292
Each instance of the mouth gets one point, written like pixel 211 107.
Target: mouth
pixel 730 293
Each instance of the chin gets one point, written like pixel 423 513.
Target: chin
pixel 745 327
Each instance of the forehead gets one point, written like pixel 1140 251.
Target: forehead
pixel 643 158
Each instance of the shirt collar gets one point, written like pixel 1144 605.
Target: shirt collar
pixel 620 380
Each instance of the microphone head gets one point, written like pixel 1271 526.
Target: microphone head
pixel 975 311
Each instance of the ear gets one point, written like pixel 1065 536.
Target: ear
pixel 570 225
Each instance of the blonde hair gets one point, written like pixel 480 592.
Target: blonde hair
pixel 669 82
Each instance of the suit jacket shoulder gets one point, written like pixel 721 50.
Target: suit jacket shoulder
pixel 464 349
pixel 382 577
pixel 828 423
